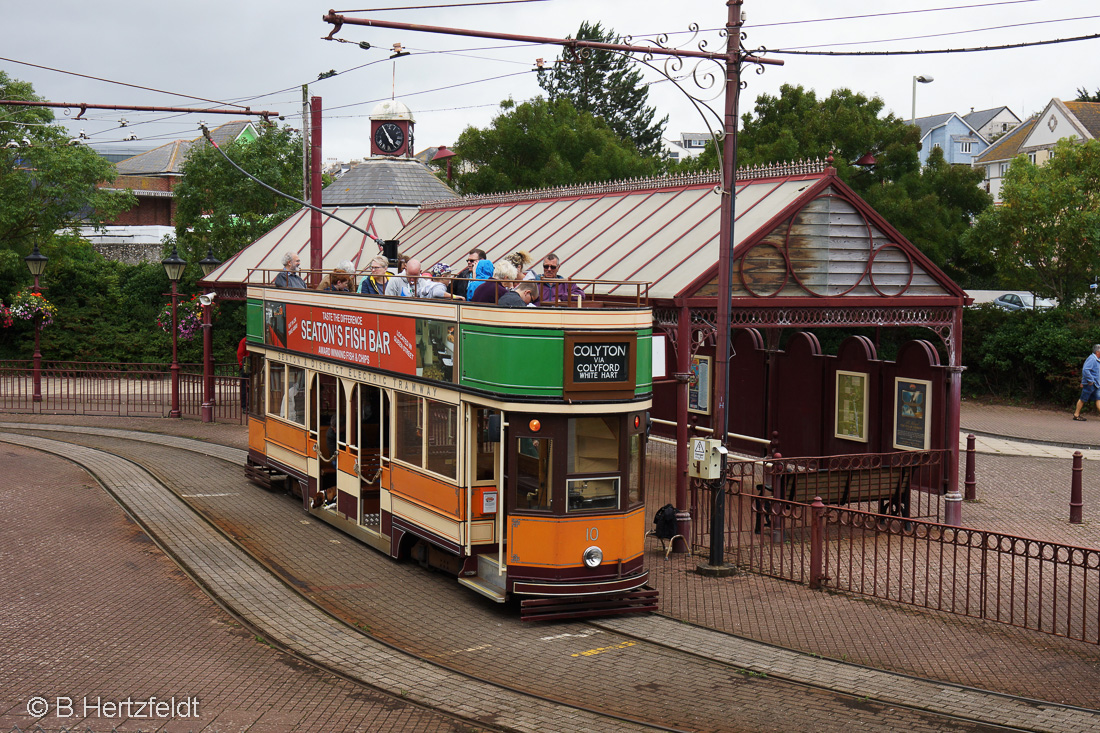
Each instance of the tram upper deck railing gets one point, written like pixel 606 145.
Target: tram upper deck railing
pixel 594 293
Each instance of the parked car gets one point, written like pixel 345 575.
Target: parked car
pixel 1022 301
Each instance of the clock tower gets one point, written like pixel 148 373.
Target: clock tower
pixel 391 130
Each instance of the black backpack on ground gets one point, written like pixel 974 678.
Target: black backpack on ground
pixel 665 522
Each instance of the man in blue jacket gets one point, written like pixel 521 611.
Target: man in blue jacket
pixel 1090 383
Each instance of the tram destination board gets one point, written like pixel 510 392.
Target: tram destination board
pixel 600 364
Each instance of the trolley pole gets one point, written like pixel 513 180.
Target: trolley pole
pixel 725 272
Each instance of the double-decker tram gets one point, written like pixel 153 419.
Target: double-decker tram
pixel 502 445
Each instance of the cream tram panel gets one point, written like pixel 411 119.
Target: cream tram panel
pixel 286 457
pixel 446 528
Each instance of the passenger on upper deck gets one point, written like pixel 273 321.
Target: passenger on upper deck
pixel 555 288
pixel 375 281
pixel 440 275
pixel 483 270
pixel 288 277
pixel 505 272
pixel 406 284
pixel 521 296
pixel 338 280
pixel 461 281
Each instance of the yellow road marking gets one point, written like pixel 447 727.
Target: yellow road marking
pixel 602 649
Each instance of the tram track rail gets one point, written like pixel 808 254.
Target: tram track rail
pixel 342 615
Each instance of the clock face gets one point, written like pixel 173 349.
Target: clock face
pixel 389 137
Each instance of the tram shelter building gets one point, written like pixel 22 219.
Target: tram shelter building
pixel 808 253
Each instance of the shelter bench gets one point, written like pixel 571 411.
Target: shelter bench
pixel 888 485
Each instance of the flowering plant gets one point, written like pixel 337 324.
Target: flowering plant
pixel 27 305
pixel 188 317
pixel 5 315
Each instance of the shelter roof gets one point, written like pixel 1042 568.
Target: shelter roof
pixel 665 231
pixel 339 242
pixel 386 181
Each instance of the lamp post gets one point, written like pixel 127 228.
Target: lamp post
pixel 36 263
pixel 173 267
pixel 922 80
pixel 208 265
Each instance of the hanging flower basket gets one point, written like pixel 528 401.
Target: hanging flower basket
pixel 188 318
pixel 28 305
pixel 5 316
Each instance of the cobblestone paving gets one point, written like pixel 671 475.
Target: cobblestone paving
pixel 93 610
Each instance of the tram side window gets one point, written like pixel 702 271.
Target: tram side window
pixel 533 461
pixel 276 389
pixel 443 439
pixel 485 460
pixel 257 385
pixel 593 449
pixel 634 470
pixel 296 394
pixel 409 439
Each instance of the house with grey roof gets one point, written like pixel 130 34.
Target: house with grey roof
pixel 689 145
pixel 958 140
pixel 1036 138
pixel 992 123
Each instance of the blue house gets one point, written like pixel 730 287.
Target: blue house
pixel 959 141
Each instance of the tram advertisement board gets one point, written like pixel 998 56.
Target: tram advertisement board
pixel 365 339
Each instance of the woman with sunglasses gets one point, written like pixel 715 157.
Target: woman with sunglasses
pixel 375 281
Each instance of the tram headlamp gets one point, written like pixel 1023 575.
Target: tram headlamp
pixel 593 556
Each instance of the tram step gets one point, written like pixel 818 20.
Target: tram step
pixel 484 589
pixel 550 609
pixel 488 573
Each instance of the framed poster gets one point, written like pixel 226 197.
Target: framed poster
pixel 851 406
pixel 699 388
pixel 912 413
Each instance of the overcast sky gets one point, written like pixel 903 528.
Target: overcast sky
pixel 234 50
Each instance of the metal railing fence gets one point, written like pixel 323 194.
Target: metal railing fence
pixel 124 390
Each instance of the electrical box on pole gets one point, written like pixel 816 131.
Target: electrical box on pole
pixel 705 458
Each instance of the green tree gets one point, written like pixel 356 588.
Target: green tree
pixel 1045 236
pixel 608 85
pixel 541 143
pixel 797 125
pixel 218 206
pixel 46 184
pixel 933 208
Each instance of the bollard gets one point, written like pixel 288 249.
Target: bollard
pixel 1075 501
pixel 970 486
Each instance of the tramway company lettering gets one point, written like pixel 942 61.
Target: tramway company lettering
pixel 600 362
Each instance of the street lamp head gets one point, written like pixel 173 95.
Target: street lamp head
pixel 174 265
pixel 36 262
pixel 923 79
pixel 210 262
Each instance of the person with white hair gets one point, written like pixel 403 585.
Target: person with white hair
pixel 288 277
pixel 374 280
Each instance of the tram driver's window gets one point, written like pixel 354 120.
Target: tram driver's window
pixel 533 459
pixel 257 385
pixel 296 394
pixel 486 446
pixel 593 450
pixel 408 443
pixel 276 387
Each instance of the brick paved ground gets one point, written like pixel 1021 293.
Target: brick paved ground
pixel 92 608
pixel 563 661
pixel 933 645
